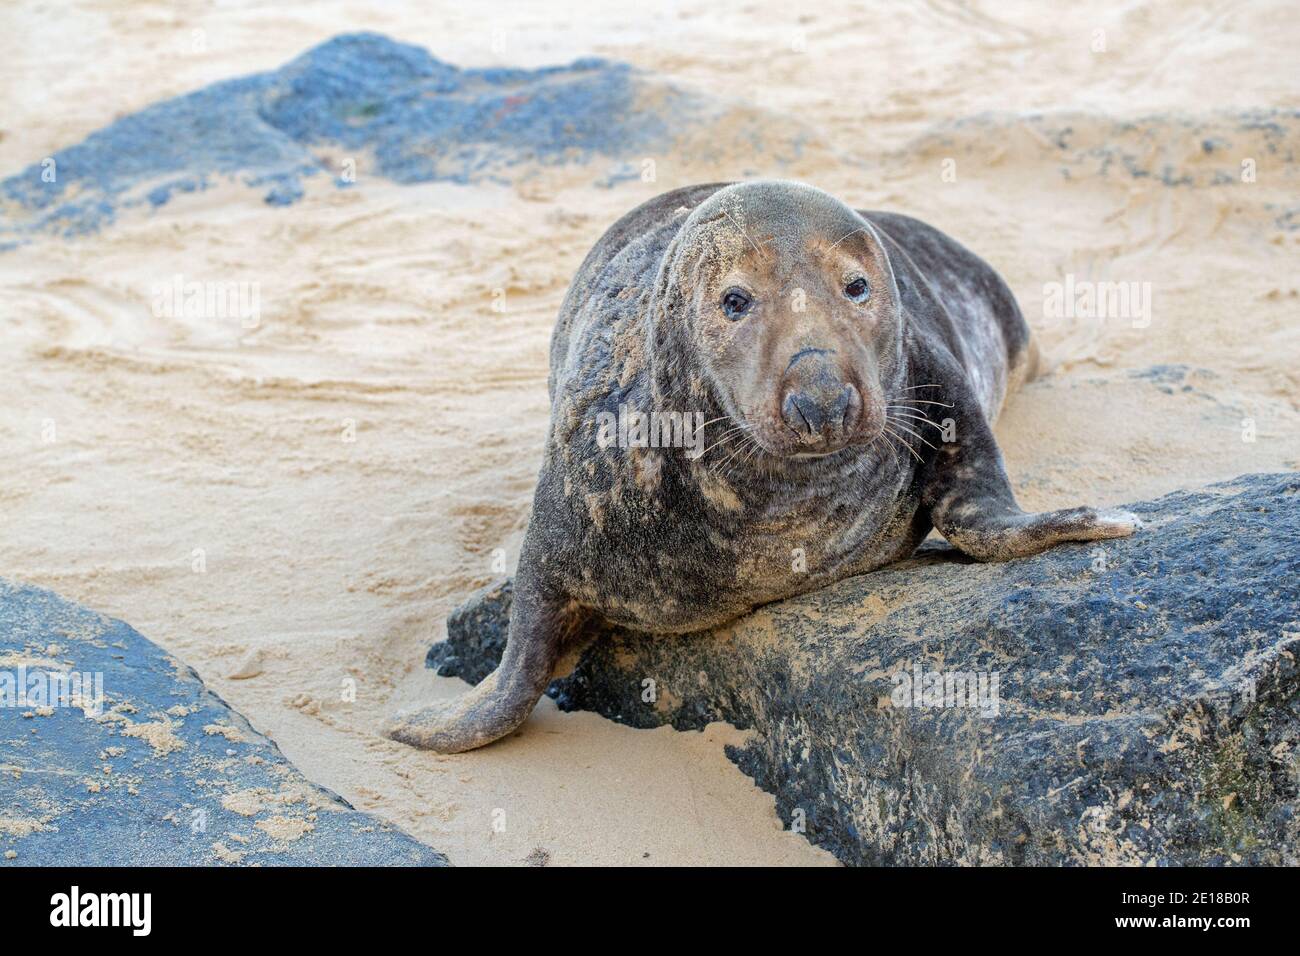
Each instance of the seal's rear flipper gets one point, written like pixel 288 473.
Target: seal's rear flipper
pixel 1032 365
pixel 540 625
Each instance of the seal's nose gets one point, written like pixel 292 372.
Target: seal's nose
pixel 817 404
pixel 821 414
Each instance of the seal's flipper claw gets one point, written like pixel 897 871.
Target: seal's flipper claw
pixel 1080 524
pixel 1114 523
pixel 417 727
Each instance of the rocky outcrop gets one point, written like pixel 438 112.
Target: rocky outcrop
pixel 361 106
pixel 1132 702
pixel 112 752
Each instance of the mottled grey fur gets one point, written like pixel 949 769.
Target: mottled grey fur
pixel 653 539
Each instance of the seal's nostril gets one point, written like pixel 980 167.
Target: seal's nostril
pixel 852 408
pixel 801 413
pixel 836 413
pixel 815 414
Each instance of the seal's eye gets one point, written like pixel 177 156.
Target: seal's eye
pixel 735 303
pixel 858 290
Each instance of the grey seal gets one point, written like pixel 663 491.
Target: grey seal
pixel 844 367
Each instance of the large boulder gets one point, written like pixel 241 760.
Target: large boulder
pixel 361 105
pixel 114 753
pixel 1133 702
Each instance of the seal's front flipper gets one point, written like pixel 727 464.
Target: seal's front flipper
pixel 539 627
pixel 966 490
pixel 988 532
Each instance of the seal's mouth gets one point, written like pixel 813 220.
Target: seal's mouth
pixel 813 454
pixel 781 442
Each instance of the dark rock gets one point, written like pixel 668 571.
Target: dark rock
pixel 411 116
pixel 159 771
pixel 479 626
pixel 1147 705
pixel 362 105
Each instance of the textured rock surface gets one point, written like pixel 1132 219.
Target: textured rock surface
pixel 392 109
pixel 160 771
pixel 1148 694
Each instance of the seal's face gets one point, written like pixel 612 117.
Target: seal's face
pixel 792 313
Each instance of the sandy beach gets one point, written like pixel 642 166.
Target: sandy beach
pixel 293 508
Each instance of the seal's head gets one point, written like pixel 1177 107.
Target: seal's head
pixel 786 301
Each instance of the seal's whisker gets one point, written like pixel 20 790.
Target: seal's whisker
pixel 845 236
pixel 920 418
pixel 732 454
pixel 748 443
pixel 739 428
pixel 915 435
pixel 750 449
pixel 730 432
pixel 909 448
pixel 889 442
pixel 905 443
pixel 743 232
pixel 871 446
pixel 909 409
pixel 911 387
pixel 922 401
pixel 720 439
